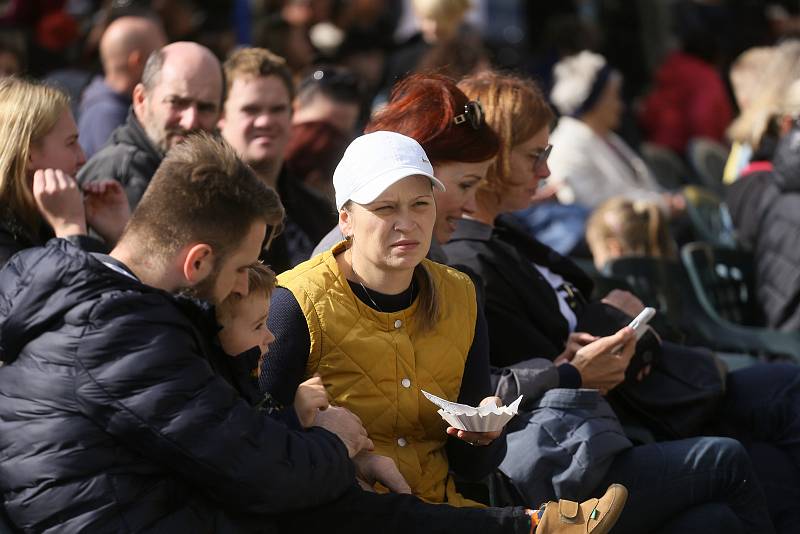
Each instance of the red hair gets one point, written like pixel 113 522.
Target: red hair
pixel 423 107
pixel 315 145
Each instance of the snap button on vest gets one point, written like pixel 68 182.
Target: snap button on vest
pixel 398 323
pixel 406 383
pixel 402 442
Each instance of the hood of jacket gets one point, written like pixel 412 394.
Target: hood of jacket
pixel 39 286
pixel 787 161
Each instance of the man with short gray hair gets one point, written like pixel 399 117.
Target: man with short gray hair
pixel 180 93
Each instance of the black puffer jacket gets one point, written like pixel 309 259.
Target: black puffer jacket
pixel 15 236
pixel 129 157
pixel 765 208
pixel 111 419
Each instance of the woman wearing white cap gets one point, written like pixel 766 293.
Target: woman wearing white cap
pixel 393 210
pixel 378 328
pixel 384 323
pixel 378 321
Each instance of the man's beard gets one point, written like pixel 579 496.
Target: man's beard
pixel 160 137
pixel 203 290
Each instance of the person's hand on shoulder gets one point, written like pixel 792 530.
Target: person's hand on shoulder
pixel 58 199
pixel 347 426
pixel 309 399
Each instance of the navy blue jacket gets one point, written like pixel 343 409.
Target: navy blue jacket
pixel 112 419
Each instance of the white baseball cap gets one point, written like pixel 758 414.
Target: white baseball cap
pixel 375 161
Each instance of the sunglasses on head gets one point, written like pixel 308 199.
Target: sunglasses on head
pixel 338 81
pixel 473 114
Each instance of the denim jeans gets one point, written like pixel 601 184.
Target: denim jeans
pixel 690 485
pixel 762 410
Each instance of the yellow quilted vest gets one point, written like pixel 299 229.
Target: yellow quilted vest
pixel 375 364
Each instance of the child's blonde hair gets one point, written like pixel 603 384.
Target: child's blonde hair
pixel 640 228
pixel 260 280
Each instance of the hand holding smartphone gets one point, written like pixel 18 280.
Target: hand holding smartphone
pixel 639 325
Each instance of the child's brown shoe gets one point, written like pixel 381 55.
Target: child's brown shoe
pixel 595 516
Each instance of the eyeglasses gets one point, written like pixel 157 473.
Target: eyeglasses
pixel 473 113
pixel 541 158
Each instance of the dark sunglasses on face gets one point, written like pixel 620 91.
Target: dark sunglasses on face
pixel 473 114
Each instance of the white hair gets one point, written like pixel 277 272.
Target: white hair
pixel 573 80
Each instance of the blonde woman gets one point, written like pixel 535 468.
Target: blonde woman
pixel 39 155
pixel 755 132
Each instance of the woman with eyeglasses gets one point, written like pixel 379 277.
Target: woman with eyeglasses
pixel 535 301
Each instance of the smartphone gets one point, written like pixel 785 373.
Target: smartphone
pixel 639 323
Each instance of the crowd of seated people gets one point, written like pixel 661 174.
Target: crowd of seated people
pixel 230 282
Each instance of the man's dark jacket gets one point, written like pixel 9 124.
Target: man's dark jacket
pixel 112 420
pixel 129 157
pixel 765 208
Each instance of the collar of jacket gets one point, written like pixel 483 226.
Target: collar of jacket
pixel 133 133
pixel 513 234
pixel 472 230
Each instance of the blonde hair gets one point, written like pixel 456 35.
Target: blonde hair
pixel 746 70
pixel 765 101
pixel 441 9
pixel 260 280
pixel 254 63
pixel 28 111
pixel 640 227
pixel 516 110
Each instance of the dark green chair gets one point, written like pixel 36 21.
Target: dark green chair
pixel 723 282
pixel 709 217
pixel 707 158
pixel 666 286
pixel 667 167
